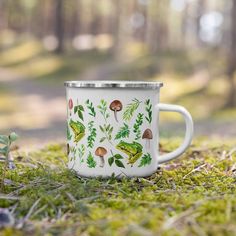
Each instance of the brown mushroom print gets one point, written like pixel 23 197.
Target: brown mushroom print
pixel 70 103
pixel 147 134
pixel 116 106
pixel 101 152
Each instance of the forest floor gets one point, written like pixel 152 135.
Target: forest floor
pixel 194 195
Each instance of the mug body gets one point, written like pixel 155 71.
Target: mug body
pixel 112 128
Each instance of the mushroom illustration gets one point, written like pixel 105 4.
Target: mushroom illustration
pixel 70 105
pixel 147 134
pixel 101 152
pixel 116 106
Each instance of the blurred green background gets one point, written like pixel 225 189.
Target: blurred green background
pixel 190 45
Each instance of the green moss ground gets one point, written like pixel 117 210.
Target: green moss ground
pixel 194 195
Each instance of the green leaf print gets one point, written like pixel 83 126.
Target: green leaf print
pixel 107 131
pixel 103 109
pixel 79 109
pixel 91 108
pixel 148 109
pixel 81 152
pixel 90 161
pixel 146 160
pixel 116 159
pixel 123 132
pixel 138 123
pixel 111 160
pixel 130 109
pixel 93 134
pixel 119 163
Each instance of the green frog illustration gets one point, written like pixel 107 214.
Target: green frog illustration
pixel 133 150
pixel 78 129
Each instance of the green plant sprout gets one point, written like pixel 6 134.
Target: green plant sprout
pixel 5 142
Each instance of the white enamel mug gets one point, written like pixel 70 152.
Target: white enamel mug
pixel 112 128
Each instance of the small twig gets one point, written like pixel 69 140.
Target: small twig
pixel 22 221
pixel 7 197
pixel 39 210
pixel 71 197
pixel 172 221
pixel 14 208
pixel 88 198
pixel 194 170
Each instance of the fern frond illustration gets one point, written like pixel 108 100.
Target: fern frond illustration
pixel 138 123
pixel 93 134
pixel 91 108
pixel 146 160
pixel 130 109
pixel 123 132
pixel 148 109
pixel 103 109
pixel 90 161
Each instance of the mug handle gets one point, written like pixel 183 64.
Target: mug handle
pixel 188 133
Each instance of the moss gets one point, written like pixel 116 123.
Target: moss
pixel 191 196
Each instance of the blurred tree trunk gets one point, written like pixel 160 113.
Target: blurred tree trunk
pixel 59 26
pixel 184 26
pixel 119 28
pixel 232 58
pixel 3 15
pixel 201 8
pixel 157 25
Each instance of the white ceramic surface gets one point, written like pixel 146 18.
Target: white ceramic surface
pixel 115 131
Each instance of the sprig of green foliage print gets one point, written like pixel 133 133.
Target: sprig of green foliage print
pixel 123 132
pixel 90 161
pixel 81 152
pixel 146 160
pixel 93 134
pixel 107 131
pixel 138 123
pixel 103 109
pixel 79 109
pixel 91 108
pixel 148 109
pixel 130 109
